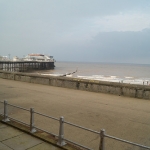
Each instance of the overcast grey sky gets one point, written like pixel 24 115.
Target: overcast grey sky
pixel 77 30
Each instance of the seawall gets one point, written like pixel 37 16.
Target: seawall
pixel 121 89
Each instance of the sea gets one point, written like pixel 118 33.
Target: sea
pixel 111 72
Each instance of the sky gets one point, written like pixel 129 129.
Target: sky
pixel 77 30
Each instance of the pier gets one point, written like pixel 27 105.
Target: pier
pixel 24 66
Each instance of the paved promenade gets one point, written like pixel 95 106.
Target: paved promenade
pixel 123 117
pixel 14 139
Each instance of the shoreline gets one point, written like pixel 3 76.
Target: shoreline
pixel 121 89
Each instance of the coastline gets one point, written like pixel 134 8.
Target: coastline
pixel 121 89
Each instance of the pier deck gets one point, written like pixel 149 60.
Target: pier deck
pixel 23 66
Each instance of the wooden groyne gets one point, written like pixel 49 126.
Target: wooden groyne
pixel 121 89
pixel 24 66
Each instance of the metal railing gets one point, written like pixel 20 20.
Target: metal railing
pixel 61 139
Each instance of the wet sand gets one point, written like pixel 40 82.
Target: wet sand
pixel 123 117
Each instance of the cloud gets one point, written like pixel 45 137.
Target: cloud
pixel 122 22
pixel 125 47
pixel 76 30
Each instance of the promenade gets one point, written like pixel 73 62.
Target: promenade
pixel 123 117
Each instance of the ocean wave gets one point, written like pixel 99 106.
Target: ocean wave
pixel 128 80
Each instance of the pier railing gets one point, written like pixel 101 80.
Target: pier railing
pixel 4 112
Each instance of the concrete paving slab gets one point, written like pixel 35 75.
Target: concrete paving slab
pixel 2 125
pixel 4 147
pixel 22 142
pixel 44 146
pixel 8 132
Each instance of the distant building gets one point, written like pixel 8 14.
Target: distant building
pixel 1 58
pixel 30 57
pixel 4 58
pixel 16 58
pixel 38 57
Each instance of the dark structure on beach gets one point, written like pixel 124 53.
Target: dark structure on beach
pixel 24 66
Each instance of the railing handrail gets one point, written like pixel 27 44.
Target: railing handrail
pixel 125 141
pixel 61 120
pixel 46 115
pixel 18 107
pixel 81 127
pixel 18 121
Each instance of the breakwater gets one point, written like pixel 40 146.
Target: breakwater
pixel 121 89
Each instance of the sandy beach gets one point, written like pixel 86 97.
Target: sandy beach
pixel 123 117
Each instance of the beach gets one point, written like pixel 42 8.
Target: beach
pixel 123 117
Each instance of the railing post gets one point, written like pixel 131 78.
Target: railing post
pixel 6 119
pixel 61 141
pixel 32 128
pixel 102 135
